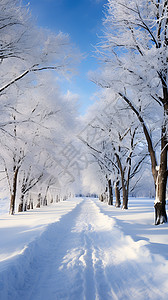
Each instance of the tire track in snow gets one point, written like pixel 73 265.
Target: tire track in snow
pixel 61 278
pixel 85 257
pixel 40 273
pixel 135 273
pixel 88 275
pixel 120 268
pixel 89 223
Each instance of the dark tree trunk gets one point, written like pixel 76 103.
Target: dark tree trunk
pixel 124 190
pixel 28 206
pixel 101 197
pixel 39 201
pixel 123 182
pixel 25 207
pixel 45 198
pixel 26 202
pixel 125 197
pixel 57 198
pixel 110 189
pixel 105 195
pixel 13 195
pixel 21 204
pixel 160 201
pixel 30 203
pixel 45 201
pixel 117 194
pixel 12 205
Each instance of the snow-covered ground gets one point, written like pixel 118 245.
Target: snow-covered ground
pixel 84 249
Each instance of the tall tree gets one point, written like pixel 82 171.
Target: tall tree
pixel 134 50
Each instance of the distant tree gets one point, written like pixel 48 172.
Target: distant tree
pixel 28 182
pixel 114 140
pixel 35 126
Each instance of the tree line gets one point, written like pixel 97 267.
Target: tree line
pixel 36 117
pixel 129 128
pixel 133 76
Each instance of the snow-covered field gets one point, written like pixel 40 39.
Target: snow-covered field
pixel 83 249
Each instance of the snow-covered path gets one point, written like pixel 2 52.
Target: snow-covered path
pixel 85 256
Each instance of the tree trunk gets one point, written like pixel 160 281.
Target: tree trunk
pixel 45 201
pixel 124 189
pixel 57 198
pixel 20 208
pixel 123 182
pixel 101 197
pixel 45 197
pixel 117 194
pixel 13 195
pixel 12 205
pixel 39 201
pixel 160 200
pixel 25 204
pixel 160 179
pixel 30 202
pixel 105 195
pixel 110 200
pixel 28 206
pixel 125 197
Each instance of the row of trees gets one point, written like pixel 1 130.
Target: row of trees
pixel 130 124
pixel 134 54
pixel 115 141
pixel 36 118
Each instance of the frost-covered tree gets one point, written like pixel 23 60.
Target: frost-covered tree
pixel 116 143
pixel 134 51
pixel 36 123
pixel 26 49
pixel 14 22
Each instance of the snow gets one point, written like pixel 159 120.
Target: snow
pixel 81 249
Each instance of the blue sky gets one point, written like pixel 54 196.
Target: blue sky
pixel 82 20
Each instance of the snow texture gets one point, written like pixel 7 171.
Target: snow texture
pixel 83 249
